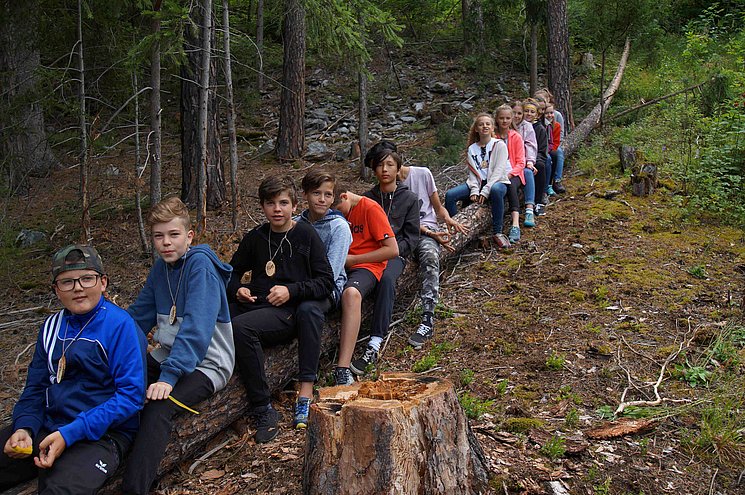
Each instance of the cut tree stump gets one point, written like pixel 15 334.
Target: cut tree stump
pixel 404 433
pixel 190 432
pixel 627 156
pixel 644 179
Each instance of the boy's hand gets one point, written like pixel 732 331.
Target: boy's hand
pixel 244 295
pixel 443 238
pixel 278 295
pixel 159 391
pixel 454 226
pixel 18 444
pixel 49 450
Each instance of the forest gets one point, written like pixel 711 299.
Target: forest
pixel 604 353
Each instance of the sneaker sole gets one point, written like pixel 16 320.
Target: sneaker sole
pixel 355 370
pixel 301 426
pixel 273 434
pixel 416 345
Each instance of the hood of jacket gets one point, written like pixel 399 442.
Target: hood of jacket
pixel 223 269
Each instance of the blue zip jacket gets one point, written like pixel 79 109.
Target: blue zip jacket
pixel 202 336
pixel 333 229
pixel 103 387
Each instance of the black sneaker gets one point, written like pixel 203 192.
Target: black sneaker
pixel 369 358
pixel 559 187
pixel 421 336
pixel 342 376
pixel 540 210
pixel 265 421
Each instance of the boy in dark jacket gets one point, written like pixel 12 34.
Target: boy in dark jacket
pixel 402 208
pixel 85 386
pixel 184 298
pixel 288 266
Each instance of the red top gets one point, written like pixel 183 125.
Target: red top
pixel 555 135
pixel 370 227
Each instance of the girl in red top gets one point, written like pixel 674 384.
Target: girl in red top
pixel 516 157
pixel 553 129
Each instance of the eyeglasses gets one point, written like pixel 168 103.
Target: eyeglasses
pixel 68 284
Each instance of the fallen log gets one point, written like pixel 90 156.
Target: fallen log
pixel 191 432
pixel 404 433
pixel 580 133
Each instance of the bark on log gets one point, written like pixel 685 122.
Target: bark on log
pixel 191 432
pixel 580 133
pixel 644 179
pixel 404 433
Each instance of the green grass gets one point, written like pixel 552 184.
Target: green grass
pixel 554 448
pixel 555 361
pixel 474 406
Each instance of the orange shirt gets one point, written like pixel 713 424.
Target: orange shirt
pixel 370 227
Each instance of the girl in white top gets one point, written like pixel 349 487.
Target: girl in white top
pixel 488 175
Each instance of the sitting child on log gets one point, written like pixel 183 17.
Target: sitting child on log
pixel 290 275
pixel 488 171
pixel 184 298
pixel 427 251
pixel 85 386
pixel 373 245
pixel 401 206
pixel 320 192
pixel 517 176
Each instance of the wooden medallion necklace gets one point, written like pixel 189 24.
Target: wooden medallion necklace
pixel 172 314
pixel 270 268
pixel 62 363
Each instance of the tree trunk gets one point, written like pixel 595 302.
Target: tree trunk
pixel 403 433
pixel 154 138
pixel 584 128
pixel 231 115
pixel 474 27
pixel 25 151
pixel 291 138
pixel 204 92
pixel 602 84
pixel 139 168
pixel 85 236
pixel 559 76
pixel 190 152
pixel 260 43
pixel 533 58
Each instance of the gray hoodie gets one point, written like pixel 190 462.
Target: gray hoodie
pixel 333 229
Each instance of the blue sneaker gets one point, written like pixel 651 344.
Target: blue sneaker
pixel 529 219
pixel 302 409
pixel 514 234
pixel 550 191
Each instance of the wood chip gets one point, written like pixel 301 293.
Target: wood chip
pixel 622 427
pixel 213 474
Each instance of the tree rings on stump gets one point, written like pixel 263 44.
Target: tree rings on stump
pixel 403 433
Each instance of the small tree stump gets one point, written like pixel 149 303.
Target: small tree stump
pixel 404 433
pixel 644 180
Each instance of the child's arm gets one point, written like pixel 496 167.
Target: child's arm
pixel 444 216
pixel 388 249
pixel 29 410
pixel 531 146
pixel 126 357
pixel 499 167
pixel 338 247
pixel 474 178
pixel 408 236
pixel 556 135
pixel 516 153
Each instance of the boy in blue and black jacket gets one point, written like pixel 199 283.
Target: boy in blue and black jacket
pixel 85 385
pixel 184 298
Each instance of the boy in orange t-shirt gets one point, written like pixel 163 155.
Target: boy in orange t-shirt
pixel 373 244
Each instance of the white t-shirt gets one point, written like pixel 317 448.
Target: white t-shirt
pixel 421 182
pixel 480 155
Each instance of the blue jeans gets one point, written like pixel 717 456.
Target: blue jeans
pixel 559 165
pixel 496 199
pixel 549 172
pixel 529 187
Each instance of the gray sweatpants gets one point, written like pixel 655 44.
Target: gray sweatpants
pixel 427 253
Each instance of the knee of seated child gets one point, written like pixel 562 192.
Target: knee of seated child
pixel 350 296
